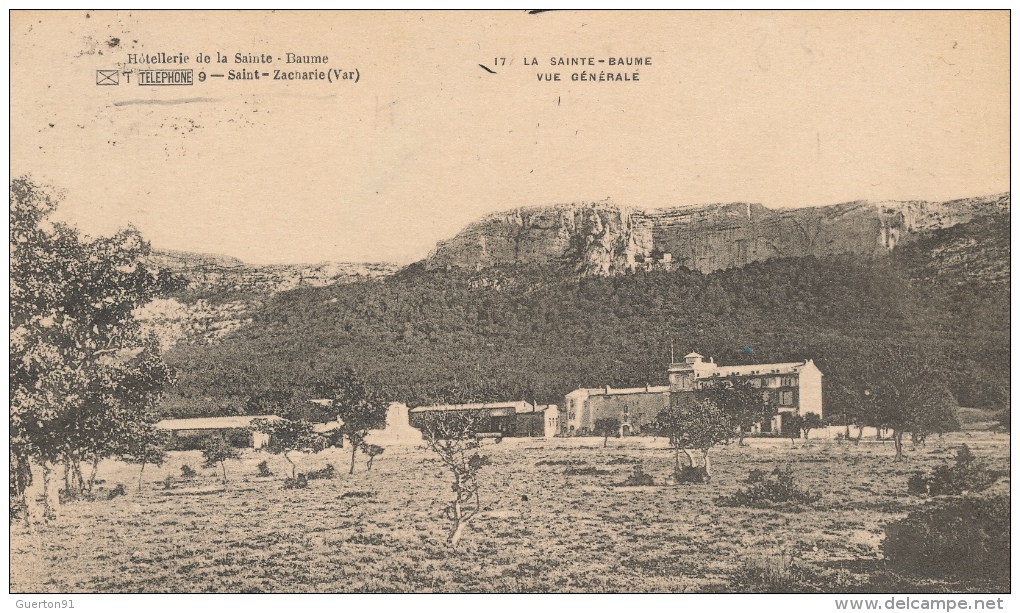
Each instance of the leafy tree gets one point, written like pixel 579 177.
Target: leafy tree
pixel 82 373
pixel 1003 419
pixel 452 435
pixel 794 423
pixel 357 408
pixel 215 451
pixel 286 436
pixel 372 451
pixel 744 404
pixel 606 427
pixel 810 422
pixel 910 397
pixel 145 446
pixel 693 424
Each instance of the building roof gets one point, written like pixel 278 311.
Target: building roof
pixel 613 391
pixel 329 426
pixel 714 370
pixel 212 423
pixel 693 354
pixel 518 406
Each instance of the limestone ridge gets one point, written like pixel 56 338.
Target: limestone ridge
pixel 222 292
pixel 602 238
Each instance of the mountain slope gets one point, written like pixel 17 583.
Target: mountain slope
pixel 537 332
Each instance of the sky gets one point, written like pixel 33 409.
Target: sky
pixel 786 109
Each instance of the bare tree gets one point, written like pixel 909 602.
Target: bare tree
pixel 452 435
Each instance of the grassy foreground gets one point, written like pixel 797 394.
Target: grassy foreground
pixel 555 520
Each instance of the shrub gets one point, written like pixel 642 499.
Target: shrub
pixel 587 470
pixel 264 469
pixel 619 460
pixel 117 491
pixel 168 482
pixel 967 475
pixel 188 472
pixel 766 489
pixel 329 472
pixel 356 494
pixel 690 474
pixel 772 572
pixel 295 483
pixel 964 538
pixel 638 477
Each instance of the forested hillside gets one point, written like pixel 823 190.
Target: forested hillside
pixel 535 333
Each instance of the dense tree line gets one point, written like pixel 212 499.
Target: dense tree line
pixel 84 379
pixel 539 333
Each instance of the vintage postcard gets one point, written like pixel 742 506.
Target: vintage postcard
pixel 511 302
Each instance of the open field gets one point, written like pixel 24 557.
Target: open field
pixel 554 520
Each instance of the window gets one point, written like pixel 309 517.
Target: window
pixel 788 382
pixel 786 399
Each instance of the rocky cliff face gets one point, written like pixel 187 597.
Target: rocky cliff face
pixel 603 239
pixel 223 291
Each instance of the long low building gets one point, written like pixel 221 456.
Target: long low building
pixel 513 418
pixel 235 429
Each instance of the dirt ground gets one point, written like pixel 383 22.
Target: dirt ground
pixel 554 520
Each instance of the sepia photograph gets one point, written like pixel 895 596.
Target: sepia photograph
pixel 511 302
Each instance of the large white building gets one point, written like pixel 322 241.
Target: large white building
pixel 794 387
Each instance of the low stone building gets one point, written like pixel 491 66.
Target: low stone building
pixel 634 407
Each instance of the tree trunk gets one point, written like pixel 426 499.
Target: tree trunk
pixel 458 531
pixel 898 443
pixel 458 513
pixel 690 458
pixel 93 472
pixel 605 441
pixel 860 433
pixel 21 473
pixel 78 473
pixel 354 451
pixel 368 464
pixel 140 473
pixel 49 508
pixel 224 467
pixel 708 465
pixel 293 467
pixel 676 459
